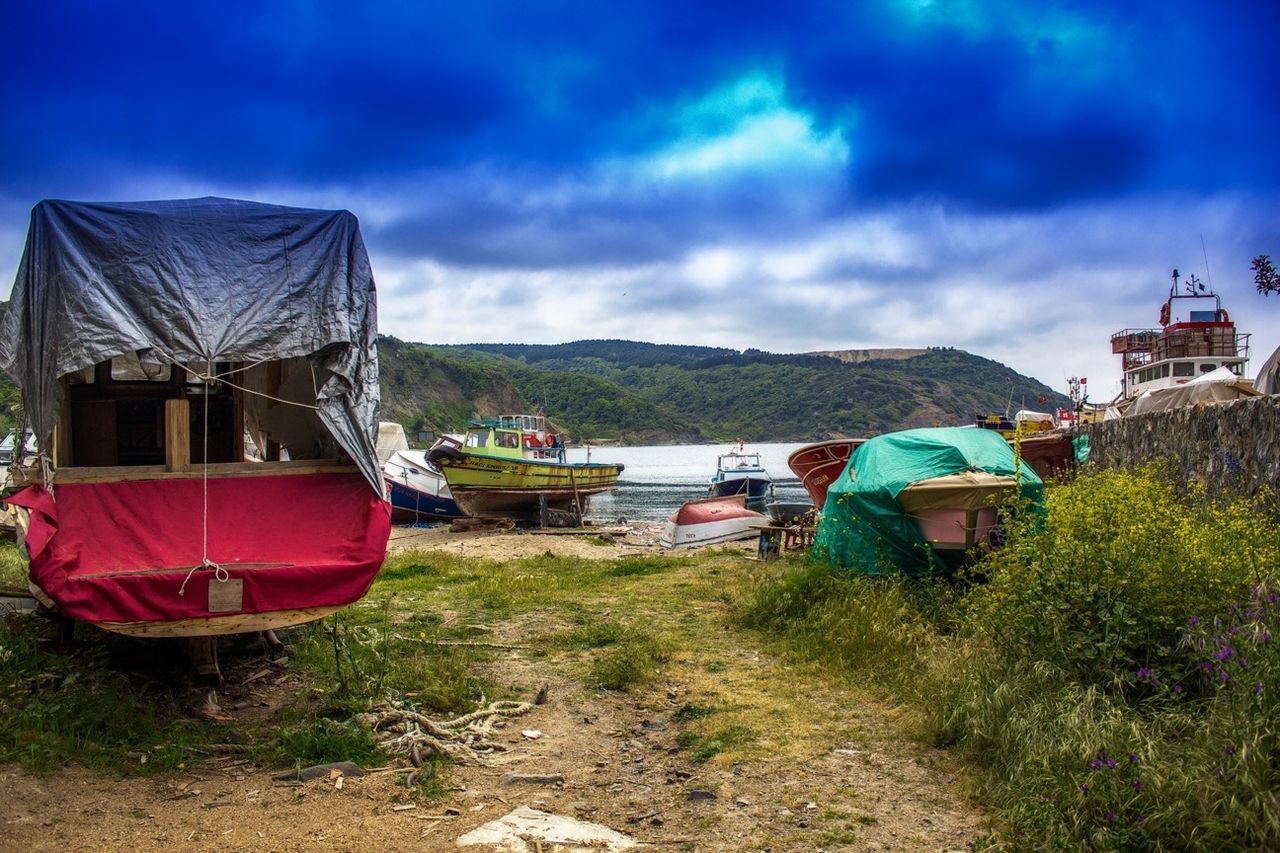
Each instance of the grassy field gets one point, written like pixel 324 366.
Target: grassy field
pixel 1108 677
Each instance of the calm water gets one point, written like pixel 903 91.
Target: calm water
pixel 658 479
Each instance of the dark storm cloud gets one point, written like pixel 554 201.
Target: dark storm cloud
pixel 993 105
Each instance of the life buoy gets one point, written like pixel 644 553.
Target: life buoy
pixel 1226 318
pixel 1164 314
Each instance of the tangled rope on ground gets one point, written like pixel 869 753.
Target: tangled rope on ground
pixel 465 740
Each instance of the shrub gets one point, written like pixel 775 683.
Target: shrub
pixel 1104 590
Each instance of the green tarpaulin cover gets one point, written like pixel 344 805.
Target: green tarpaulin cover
pixel 865 529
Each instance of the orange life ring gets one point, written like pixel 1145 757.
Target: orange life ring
pixel 1226 318
pixel 1164 314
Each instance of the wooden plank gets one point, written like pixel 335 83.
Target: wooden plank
pixel 119 473
pixel 62 429
pixel 177 435
pixel 211 626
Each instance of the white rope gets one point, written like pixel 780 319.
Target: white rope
pixel 210 376
pixel 219 573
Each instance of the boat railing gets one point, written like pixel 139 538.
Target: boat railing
pixel 731 461
pixel 1216 341
pixel 1128 340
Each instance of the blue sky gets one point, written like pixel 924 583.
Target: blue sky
pixel 1015 179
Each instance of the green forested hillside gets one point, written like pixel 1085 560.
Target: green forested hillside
pixel 640 393
pixel 636 392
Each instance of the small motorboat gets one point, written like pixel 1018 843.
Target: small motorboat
pixel 739 473
pixel 417 488
pixel 710 521
pixel 818 465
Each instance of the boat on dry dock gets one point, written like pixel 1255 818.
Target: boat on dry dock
pixel 711 521
pixel 148 338
pixel 818 465
pixel 1196 337
pixel 513 466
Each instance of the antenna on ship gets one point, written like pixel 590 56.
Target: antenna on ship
pixel 1174 290
pixel 1207 274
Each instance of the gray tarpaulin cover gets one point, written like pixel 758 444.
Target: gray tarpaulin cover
pixel 193 281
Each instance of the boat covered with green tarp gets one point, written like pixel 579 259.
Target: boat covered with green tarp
pixel 899 483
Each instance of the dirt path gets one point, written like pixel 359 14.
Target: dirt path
pixel 806 764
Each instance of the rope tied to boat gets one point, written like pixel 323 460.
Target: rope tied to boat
pixel 219 573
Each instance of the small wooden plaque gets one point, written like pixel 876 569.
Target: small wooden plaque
pixel 226 596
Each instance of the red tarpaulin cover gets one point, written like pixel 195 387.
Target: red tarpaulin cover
pixel 120 552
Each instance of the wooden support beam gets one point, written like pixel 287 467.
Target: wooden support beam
pixel 177 435
pixel 62 429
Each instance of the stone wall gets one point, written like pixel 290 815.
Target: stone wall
pixel 1228 446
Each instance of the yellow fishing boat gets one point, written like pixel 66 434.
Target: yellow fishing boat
pixel 512 466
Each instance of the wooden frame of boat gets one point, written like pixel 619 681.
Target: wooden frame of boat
pixel 177 465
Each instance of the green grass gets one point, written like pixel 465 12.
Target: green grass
pixel 703 747
pixel 13 567
pixel 60 704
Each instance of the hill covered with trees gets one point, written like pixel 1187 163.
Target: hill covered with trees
pixel 639 393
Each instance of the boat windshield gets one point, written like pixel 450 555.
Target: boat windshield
pixel 739 460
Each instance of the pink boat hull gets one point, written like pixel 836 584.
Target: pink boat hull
pixel 818 465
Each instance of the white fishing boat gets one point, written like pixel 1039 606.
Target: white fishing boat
pixel 417 488
pixel 740 473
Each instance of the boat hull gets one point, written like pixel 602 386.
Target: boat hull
pixel 757 490
pixel 955 512
pixel 519 488
pixel 409 505
pixel 417 489
pixel 711 522
pixel 818 465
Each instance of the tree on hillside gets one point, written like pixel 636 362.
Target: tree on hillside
pixel 1265 275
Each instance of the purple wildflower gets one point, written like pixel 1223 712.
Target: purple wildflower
pixel 1133 758
pixel 1084 788
pixel 1096 764
pixel 1141 819
pixel 1257 688
pixel 1193 621
pixel 1229 750
pixel 1137 784
pixel 1111 817
pixel 1225 652
pixel 1111 764
pixel 1177 688
pixel 1266 637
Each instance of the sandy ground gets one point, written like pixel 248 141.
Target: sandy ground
pixel 853 782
